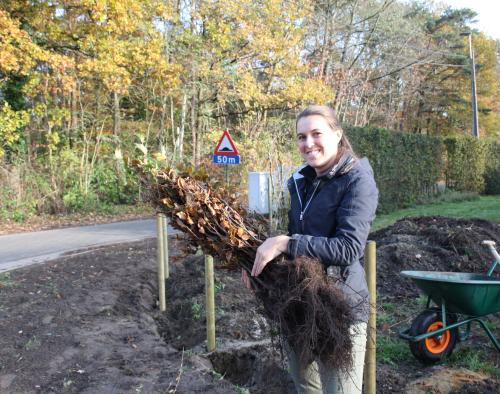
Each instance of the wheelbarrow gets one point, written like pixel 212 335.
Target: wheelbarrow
pixel 434 332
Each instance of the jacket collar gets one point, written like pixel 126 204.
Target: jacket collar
pixel 344 165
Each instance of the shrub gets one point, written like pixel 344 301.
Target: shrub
pixel 406 166
pixel 466 163
pixel 492 170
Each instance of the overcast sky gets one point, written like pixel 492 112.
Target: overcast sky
pixel 488 14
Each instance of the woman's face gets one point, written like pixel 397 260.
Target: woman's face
pixel 318 143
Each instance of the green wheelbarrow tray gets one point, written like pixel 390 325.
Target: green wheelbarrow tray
pixel 475 295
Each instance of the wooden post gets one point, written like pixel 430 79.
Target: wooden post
pixel 160 257
pixel 165 245
pixel 371 342
pixel 210 302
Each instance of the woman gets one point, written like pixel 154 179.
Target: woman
pixel 333 203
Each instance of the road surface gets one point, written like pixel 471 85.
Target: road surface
pixel 19 250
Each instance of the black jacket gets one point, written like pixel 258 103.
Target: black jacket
pixel 330 218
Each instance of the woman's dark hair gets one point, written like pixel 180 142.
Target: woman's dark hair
pixel 333 121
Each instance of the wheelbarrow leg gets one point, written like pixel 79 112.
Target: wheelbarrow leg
pixel 428 302
pixel 490 335
pixel 443 312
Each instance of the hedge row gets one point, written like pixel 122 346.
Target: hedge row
pixel 492 169
pixel 409 166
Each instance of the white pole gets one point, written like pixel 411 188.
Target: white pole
pixel 165 245
pixel 160 256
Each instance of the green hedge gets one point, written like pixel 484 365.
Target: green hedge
pixel 408 166
pixel 466 163
pixel 492 170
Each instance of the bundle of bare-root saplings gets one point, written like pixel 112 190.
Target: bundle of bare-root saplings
pixel 310 310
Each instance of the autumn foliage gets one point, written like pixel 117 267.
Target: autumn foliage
pixel 219 228
pixel 82 81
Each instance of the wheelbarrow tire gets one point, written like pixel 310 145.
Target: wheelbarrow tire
pixel 432 350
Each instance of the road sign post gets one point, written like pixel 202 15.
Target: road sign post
pixel 226 153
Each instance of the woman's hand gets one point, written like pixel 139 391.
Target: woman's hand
pixel 271 248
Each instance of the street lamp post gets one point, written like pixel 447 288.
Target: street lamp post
pixel 475 122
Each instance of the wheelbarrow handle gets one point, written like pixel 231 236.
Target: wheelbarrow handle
pixel 491 247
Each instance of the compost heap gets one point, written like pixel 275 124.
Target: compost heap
pixel 431 244
pixel 310 311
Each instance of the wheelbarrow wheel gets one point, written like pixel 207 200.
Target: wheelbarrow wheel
pixel 433 349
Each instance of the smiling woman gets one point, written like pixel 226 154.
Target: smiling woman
pixel 333 203
pixel 318 142
pixel 328 141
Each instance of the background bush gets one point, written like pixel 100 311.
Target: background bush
pixel 465 163
pixel 492 168
pixel 406 166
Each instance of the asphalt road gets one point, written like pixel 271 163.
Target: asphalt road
pixel 20 250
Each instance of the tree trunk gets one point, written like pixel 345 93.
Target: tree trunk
pixel 183 125
pixel 74 110
pixel 116 114
pixel 194 128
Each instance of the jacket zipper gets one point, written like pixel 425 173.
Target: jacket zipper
pixel 302 208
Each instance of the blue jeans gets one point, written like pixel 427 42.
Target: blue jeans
pixel 315 378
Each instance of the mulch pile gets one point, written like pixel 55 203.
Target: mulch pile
pixel 431 244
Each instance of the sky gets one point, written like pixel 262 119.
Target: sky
pixel 488 14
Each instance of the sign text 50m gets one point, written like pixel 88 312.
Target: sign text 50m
pixel 227 159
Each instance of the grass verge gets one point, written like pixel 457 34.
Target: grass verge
pixel 5 280
pixel 392 350
pixel 106 214
pixel 485 207
pixel 473 359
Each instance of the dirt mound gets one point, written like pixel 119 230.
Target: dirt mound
pixel 431 244
pixel 452 381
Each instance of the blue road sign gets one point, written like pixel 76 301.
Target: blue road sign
pixel 227 159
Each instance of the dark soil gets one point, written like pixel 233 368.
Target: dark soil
pixel 431 244
pixel 90 323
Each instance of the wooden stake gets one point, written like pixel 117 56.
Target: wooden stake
pixel 371 342
pixel 160 257
pixel 210 302
pixel 165 245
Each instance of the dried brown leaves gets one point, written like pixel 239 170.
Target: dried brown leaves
pixel 217 226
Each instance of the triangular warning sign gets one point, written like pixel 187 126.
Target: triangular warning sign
pixel 226 145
